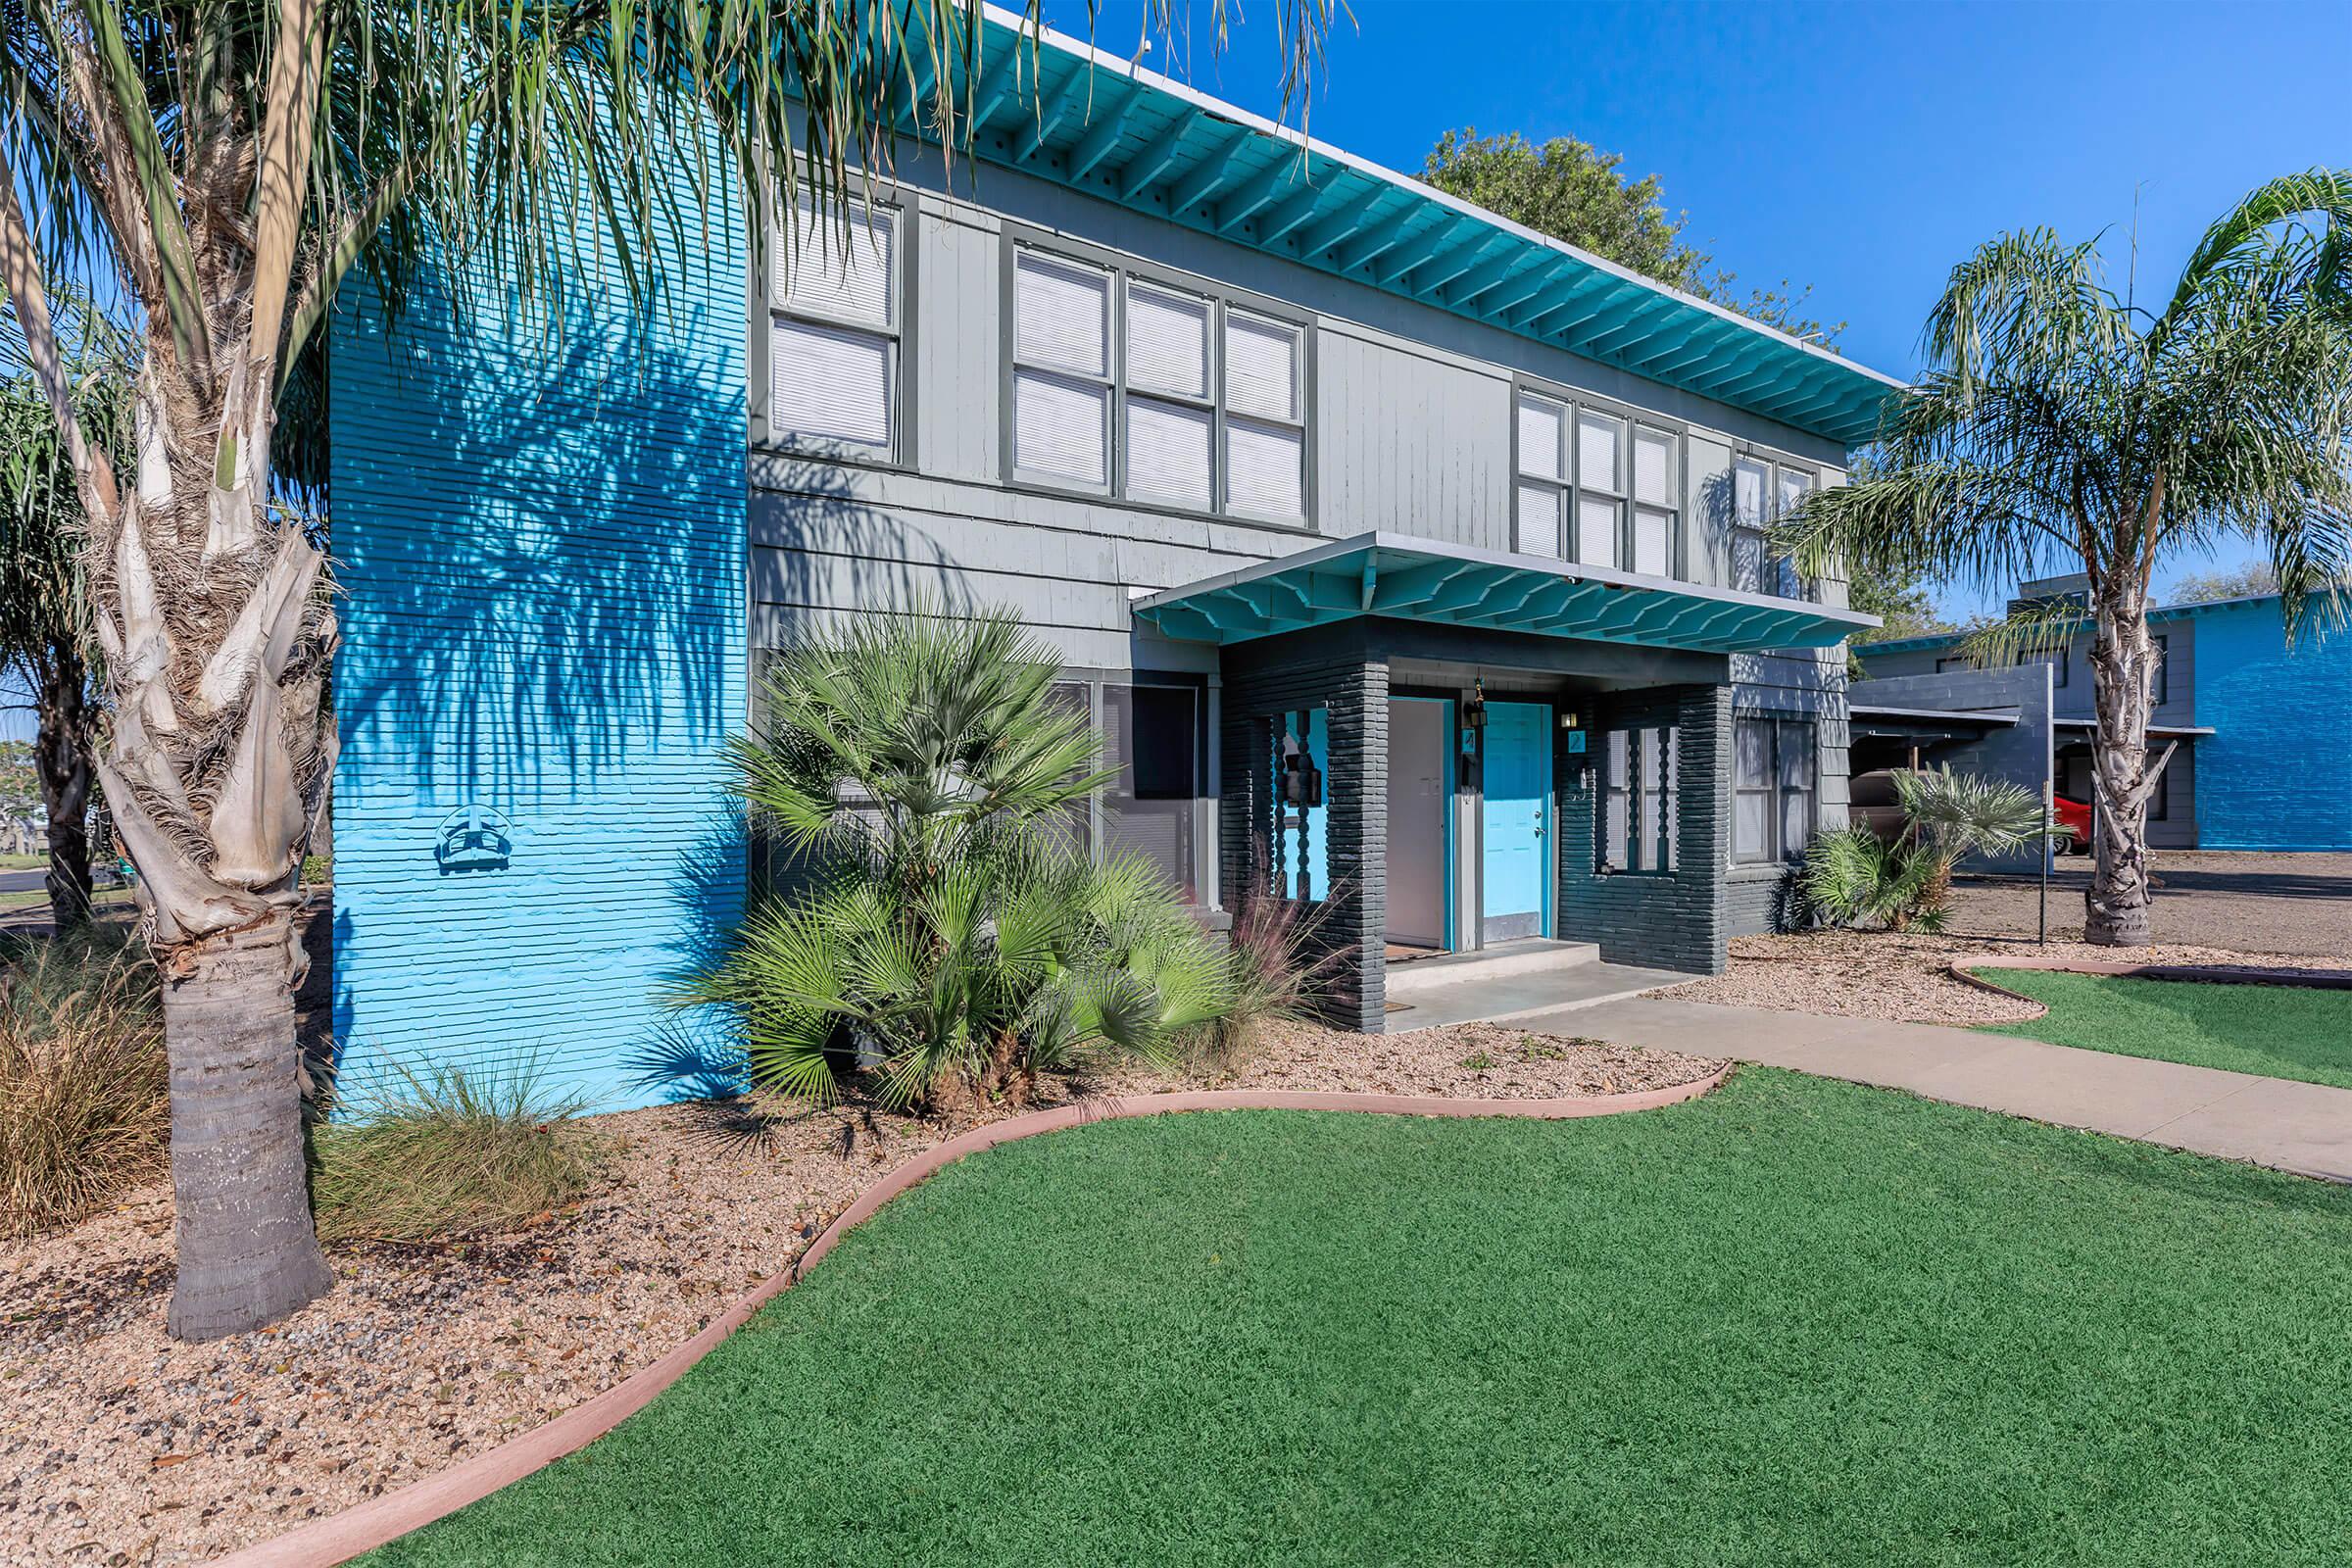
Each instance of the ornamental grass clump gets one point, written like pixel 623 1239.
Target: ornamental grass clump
pixel 447 1154
pixel 944 929
pixel 84 1112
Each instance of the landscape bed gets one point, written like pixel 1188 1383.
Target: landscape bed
pixel 1796 1320
pixel 122 1441
pixel 2275 1031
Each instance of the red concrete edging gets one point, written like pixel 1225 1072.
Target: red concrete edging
pixel 2219 974
pixel 338 1537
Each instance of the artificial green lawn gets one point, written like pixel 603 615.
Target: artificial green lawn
pixel 1798 1321
pixel 2278 1031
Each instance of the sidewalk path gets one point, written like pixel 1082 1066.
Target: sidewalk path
pixel 2305 1128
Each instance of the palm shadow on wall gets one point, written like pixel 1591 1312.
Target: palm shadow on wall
pixel 544 546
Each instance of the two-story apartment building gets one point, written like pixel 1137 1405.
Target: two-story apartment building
pixel 2256 729
pixel 1407 560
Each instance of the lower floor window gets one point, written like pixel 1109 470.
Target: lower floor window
pixel 1641 787
pixel 1152 737
pixel 1773 808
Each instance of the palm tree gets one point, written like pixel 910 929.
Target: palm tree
pixel 2059 424
pixel 44 620
pixel 230 164
pixel 942 920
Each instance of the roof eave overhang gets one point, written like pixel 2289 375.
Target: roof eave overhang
pixel 1396 575
pixel 1112 130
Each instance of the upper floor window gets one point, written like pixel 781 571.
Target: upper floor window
pixel 1593 489
pixel 1543 491
pixel 1958 661
pixel 834 330
pixel 1657 502
pixel 1763 493
pixel 2055 658
pixel 1155 393
pixel 2160 689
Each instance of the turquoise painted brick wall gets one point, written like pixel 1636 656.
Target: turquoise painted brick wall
pixel 2277 772
pixel 542 541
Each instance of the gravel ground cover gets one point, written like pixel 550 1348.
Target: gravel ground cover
pixel 2274 1031
pixel 1797 1321
pixel 1878 974
pixel 120 1446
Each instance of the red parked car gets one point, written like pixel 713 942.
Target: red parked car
pixel 2075 817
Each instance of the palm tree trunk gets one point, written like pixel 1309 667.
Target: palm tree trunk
pixel 62 757
pixel 248 1252
pixel 2116 907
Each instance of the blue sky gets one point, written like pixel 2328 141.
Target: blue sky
pixel 1862 148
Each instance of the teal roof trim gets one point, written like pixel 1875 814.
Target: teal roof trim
pixel 1419 579
pixel 2180 611
pixel 1135 137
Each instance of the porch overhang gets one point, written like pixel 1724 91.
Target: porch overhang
pixel 1426 580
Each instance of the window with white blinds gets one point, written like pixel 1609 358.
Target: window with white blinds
pixel 1171 421
pixel 1600 489
pixel 1206 401
pixel 1265 417
pixel 834 329
pixel 1763 493
pixel 1657 502
pixel 1542 473
pixel 1061 378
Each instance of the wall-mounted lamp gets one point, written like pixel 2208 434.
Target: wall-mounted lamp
pixel 1474 712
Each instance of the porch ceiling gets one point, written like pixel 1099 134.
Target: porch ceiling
pixel 1421 579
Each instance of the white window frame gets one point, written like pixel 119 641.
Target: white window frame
pixel 781 307
pixel 1224 304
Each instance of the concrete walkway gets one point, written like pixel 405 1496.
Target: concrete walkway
pixel 2299 1127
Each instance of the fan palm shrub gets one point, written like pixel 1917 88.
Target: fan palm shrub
pixel 1904 883
pixel 2061 427
pixel 942 924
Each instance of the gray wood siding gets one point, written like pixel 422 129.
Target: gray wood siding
pixel 1411 432
pixel 1410 442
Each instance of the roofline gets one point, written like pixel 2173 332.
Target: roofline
pixel 1686 343
pixel 2179 611
pixel 1334 549
pixel 1422 188
pixel 1965 716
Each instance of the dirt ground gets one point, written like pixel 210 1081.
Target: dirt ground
pixel 1907 978
pixel 2248 903
pixel 120 1446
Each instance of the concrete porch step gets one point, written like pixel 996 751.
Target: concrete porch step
pixel 1529 955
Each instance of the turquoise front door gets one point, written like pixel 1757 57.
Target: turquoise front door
pixel 1516 823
